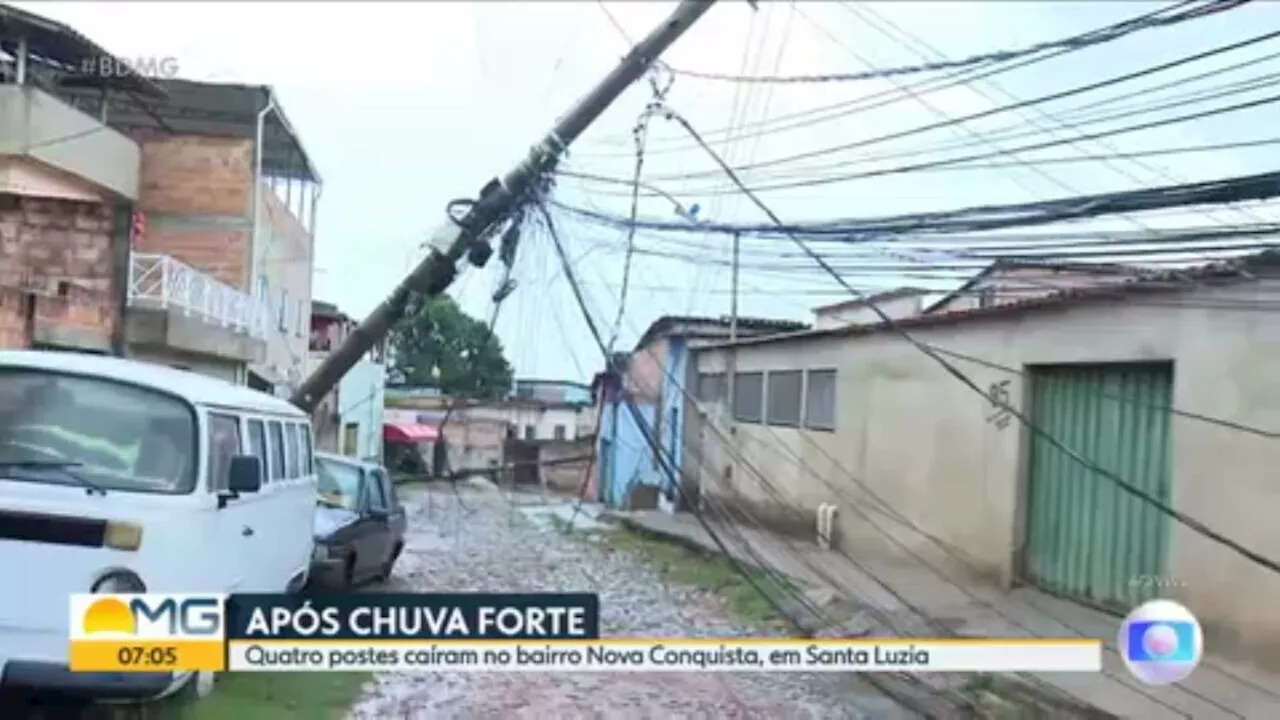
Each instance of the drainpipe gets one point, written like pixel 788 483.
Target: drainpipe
pixel 20 72
pixel 257 193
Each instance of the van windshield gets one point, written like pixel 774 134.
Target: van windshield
pixel 338 484
pixel 54 427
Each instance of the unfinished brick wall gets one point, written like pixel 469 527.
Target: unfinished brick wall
pixel 198 194
pixel 14 332
pixel 59 253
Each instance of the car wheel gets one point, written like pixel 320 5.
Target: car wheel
pixel 390 565
pixel 349 571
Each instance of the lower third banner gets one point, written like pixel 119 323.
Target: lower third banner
pixel 673 655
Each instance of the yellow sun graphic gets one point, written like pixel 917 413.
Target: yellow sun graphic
pixel 109 615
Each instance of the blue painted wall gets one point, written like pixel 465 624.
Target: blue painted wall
pixel 630 456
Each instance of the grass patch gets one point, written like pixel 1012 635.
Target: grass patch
pixel 683 566
pixel 275 696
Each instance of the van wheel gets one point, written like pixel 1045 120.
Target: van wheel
pixel 390 564
pixel 349 571
pixel 199 686
pixel 203 682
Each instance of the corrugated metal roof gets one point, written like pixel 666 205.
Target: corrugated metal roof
pixel 62 44
pixel 1243 269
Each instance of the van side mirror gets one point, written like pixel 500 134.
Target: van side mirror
pixel 245 474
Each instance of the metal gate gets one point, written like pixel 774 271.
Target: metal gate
pixel 1086 537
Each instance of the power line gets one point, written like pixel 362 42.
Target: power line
pixel 656 445
pixel 990 217
pixel 1040 100
pixel 1064 160
pixel 847 108
pixel 962 160
pixel 946 365
pixel 1077 42
pixel 739 457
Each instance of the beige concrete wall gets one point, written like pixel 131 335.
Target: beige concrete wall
pixel 923 441
pixel 1012 284
pixel 645 374
pixel 40 126
pixel 860 314
pixel 286 262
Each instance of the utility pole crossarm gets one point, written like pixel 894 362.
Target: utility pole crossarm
pixel 496 202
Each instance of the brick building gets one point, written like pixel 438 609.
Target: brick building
pixel 229 198
pixel 67 185
pixel 171 221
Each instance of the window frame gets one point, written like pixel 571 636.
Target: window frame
pixel 250 424
pixel 718 380
pixel 275 440
pixel 808 422
pixel 308 450
pixel 235 421
pixel 769 418
pixel 292 457
pixel 737 387
pixel 560 432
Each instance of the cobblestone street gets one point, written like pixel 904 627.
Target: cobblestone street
pixel 481 541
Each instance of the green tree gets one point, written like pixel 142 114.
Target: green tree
pixel 437 344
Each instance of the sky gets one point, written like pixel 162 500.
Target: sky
pixel 404 106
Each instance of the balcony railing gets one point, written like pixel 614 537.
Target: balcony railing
pixel 163 282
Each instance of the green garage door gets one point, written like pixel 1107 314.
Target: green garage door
pixel 1086 537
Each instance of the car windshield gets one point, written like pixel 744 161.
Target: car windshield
pixel 68 430
pixel 338 484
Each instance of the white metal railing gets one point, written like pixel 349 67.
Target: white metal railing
pixel 165 282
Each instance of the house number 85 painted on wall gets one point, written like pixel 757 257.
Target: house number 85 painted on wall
pixel 1000 414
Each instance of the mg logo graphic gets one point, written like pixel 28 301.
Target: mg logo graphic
pixel 109 66
pixel 149 616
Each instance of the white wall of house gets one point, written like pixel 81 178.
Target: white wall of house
pixel 835 316
pixel 361 395
pixel 551 423
pixel 1006 285
pixel 231 372
pixel 284 260
pixel 927 445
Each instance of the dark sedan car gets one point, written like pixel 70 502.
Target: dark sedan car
pixel 359 523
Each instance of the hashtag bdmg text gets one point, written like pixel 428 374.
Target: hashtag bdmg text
pixel 108 66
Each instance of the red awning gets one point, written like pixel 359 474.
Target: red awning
pixel 406 433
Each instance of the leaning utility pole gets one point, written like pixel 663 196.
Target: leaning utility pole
pixel 467 234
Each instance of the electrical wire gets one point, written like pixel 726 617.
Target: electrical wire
pixel 642 425
pixel 1063 160
pixel 1039 100
pixel 1189 522
pixel 951 162
pixel 990 217
pixel 738 457
pixel 807 118
pixel 1078 42
pixel 887 27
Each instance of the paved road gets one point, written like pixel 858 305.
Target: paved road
pixel 488 546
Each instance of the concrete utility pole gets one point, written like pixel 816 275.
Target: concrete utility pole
pixel 461 235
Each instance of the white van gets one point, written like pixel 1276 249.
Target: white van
pixel 123 476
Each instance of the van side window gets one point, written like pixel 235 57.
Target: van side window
pixel 291 450
pixel 258 446
pixel 277 451
pixel 305 432
pixel 224 444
